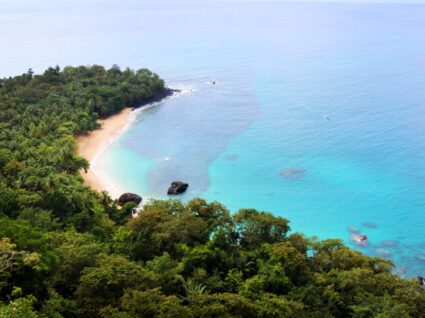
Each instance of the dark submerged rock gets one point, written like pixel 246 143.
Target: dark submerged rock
pixel 353 230
pixel 420 258
pixel 383 252
pixel 370 225
pixel 129 197
pixel 232 157
pixel 177 187
pixel 389 243
pixel 293 173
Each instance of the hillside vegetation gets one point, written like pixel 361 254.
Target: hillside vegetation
pixel 67 251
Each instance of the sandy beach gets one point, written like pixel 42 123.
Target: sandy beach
pixel 91 145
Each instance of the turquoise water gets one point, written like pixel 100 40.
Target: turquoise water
pixel 334 93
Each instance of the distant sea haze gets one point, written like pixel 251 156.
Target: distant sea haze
pixel 317 112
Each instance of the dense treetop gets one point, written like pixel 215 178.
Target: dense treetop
pixel 67 251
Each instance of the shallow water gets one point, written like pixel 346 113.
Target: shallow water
pixel 336 91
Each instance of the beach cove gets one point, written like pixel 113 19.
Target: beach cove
pixel 93 144
pixel 316 115
pixel 286 180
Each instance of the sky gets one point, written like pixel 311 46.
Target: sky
pixel 351 1
pixel 360 1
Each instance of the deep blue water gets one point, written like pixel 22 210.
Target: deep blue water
pixel 317 115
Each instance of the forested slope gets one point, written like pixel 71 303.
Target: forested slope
pixel 67 251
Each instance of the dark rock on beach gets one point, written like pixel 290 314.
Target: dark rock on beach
pixel 177 187
pixel 129 197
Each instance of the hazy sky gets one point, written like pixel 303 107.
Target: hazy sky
pixel 21 4
pixel 352 1
pixel 364 1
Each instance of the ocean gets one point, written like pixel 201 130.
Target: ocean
pixel 316 115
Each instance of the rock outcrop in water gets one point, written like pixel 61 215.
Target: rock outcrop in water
pixel 177 187
pixel 129 197
pixel 359 239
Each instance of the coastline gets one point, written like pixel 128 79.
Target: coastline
pixel 93 144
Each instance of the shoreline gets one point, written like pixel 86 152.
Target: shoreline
pixel 91 145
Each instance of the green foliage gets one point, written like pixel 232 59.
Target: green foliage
pixel 19 308
pixel 148 303
pixel 104 284
pixel 57 307
pixel 39 117
pixel 76 251
pixel 32 261
pixel 164 225
pixel 381 307
pixel 255 228
pixel 67 251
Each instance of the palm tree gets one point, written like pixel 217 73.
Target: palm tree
pixel 193 288
pixel 244 264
